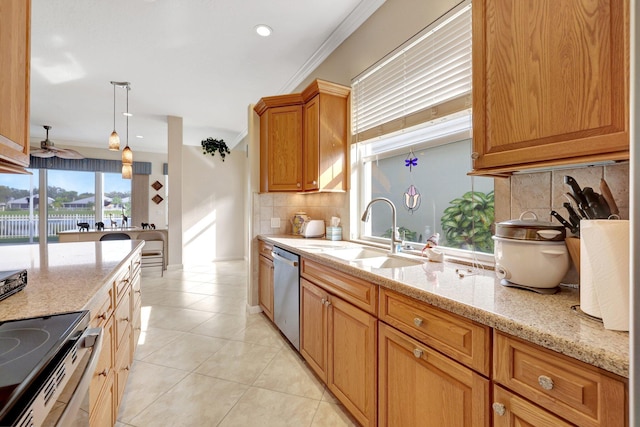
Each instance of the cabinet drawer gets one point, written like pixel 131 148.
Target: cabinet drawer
pixel 581 393
pixel 464 340
pixel 122 281
pixel 358 292
pixel 512 410
pixel 103 310
pixel 122 319
pixel 265 249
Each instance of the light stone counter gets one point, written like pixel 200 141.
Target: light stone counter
pixel 546 320
pixel 62 276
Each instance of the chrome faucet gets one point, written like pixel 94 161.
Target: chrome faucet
pixel 394 237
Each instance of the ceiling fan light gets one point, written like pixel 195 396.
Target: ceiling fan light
pixel 127 171
pixel 127 156
pixel 114 141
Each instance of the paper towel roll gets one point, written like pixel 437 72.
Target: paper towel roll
pixel 604 271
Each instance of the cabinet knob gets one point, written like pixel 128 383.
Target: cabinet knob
pixel 298 184
pixel 499 408
pixel 315 182
pixel 323 301
pixel 475 155
pixel 417 353
pixel 327 303
pixel 103 373
pixel 417 321
pixel 545 382
pixel 125 319
pixel 102 316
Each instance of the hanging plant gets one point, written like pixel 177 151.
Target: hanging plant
pixel 212 146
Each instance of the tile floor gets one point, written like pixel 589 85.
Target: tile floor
pixel 203 361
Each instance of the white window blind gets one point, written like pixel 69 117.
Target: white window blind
pixel 426 78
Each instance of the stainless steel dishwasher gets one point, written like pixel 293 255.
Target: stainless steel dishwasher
pixel 286 294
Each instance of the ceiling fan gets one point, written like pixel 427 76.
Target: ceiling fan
pixel 48 149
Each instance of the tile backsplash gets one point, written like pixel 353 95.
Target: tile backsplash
pixel 541 192
pixel 284 206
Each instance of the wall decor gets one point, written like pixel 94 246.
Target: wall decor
pixel 157 199
pixel 156 185
pixel 212 146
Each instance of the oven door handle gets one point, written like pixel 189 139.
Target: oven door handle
pixel 91 338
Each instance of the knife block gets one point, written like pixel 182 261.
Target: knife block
pixel 573 246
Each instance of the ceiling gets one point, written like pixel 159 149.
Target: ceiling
pixel 197 59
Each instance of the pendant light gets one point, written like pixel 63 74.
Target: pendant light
pixel 127 154
pixel 114 139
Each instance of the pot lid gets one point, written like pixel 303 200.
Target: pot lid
pixel 527 227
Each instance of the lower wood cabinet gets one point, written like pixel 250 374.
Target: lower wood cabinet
pixel 339 342
pixel 117 311
pixel 575 391
pixel 265 285
pixel 420 387
pixel 510 410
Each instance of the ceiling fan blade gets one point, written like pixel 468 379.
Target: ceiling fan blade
pixel 38 152
pixel 67 153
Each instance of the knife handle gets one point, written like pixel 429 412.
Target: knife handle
pixel 608 197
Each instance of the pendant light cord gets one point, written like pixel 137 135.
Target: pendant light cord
pixel 114 107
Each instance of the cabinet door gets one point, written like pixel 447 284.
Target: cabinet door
pixel 265 285
pixel 420 387
pixel 313 327
pixel 511 410
pixel 550 82
pixel 325 142
pixel 311 144
pixel 281 149
pixel 15 20
pixel 102 415
pixel 352 373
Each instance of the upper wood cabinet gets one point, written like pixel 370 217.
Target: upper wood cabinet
pixel 15 33
pixel 303 139
pixel 550 83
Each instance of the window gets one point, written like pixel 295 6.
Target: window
pixel 117 199
pixel 19 201
pixel 411 118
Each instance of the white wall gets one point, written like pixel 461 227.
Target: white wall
pixel 213 211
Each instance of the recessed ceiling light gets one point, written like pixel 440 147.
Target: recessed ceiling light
pixel 127 114
pixel 139 136
pixel 263 30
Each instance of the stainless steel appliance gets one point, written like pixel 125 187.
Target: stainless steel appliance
pixel 286 294
pixel 42 359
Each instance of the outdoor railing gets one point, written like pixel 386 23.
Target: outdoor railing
pixel 19 226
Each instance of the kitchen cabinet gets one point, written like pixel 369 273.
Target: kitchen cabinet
pixel 420 387
pixel 15 37
pixel 303 139
pixel 117 311
pixel 324 143
pixel 550 83
pixel 512 411
pixel 339 341
pixel 265 279
pixel 564 387
pixel 426 363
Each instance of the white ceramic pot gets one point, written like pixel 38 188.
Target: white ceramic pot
pixel 537 264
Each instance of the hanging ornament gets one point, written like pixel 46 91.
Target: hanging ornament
pixel 412 199
pixel 411 160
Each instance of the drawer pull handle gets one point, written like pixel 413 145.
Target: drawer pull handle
pixel 417 353
pixel 103 373
pixel 102 316
pixel 417 321
pixel 545 382
pixel 499 408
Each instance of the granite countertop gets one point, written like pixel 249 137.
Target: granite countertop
pixel 61 276
pixel 546 320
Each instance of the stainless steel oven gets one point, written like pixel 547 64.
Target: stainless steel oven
pixel 46 365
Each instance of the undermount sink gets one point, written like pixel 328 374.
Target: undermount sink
pixel 388 262
pixel 353 254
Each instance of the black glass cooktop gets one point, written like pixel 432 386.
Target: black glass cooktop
pixel 27 346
